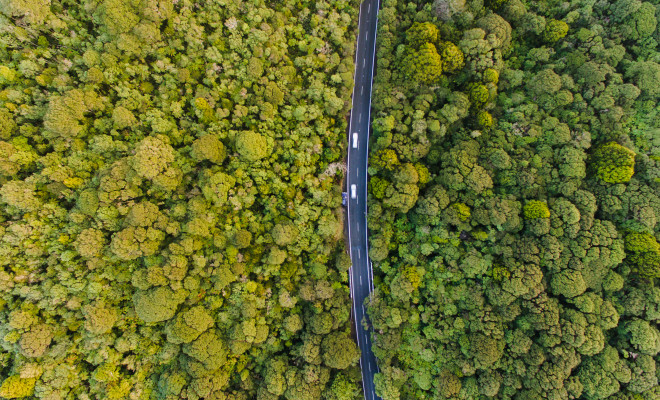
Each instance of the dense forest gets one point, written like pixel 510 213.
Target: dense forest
pixel 514 200
pixel 170 199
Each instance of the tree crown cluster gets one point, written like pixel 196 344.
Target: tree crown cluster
pixel 514 203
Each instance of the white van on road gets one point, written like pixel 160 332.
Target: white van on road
pixel 353 191
pixel 355 140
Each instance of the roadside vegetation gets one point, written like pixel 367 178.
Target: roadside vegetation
pixel 514 200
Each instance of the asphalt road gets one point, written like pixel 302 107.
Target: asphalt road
pixel 361 274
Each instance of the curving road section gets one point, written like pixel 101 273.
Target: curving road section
pixel 361 274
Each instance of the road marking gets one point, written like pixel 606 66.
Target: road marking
pixel 350 280
pixel 371 277
pixel 358 171
pixel 358 252
pixel 358 228
pixel 368 387
pixel 362 90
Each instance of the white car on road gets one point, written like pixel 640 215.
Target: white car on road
pixel 355 140
pixel 353 191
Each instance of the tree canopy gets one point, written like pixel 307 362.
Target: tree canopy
pixel 525 264
pixel 170 200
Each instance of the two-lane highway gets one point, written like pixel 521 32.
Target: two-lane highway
pixel 361 274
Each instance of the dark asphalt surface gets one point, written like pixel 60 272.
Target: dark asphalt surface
pixel 361 274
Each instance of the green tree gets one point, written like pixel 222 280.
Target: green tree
pixel 187 326
pixel 569 283
pixel 152 157
pixel 7 124
pixel 274 377
pixel 495 4
pixel 123 117
pixel 170 384
pixel 495 25
pixel 284 234
pixel 484 350
pixel 638 24
pixel 216 188
pixel 544 82
pixel 599 374
pixel 643 337
pixel 339 351
pixel 208 353
pixel 208 147
pixel 133 242
pixel 21 195
pixel 449 385
pixel 100 318
pixel 646 75
pixel 90 243
pixel 65 113
pixel 157 304
pixel 343 388
pixel 36 341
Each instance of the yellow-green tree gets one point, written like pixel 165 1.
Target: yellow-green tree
pixel 422 32
pixel 15 387
pixel 613 163
pixel 423 65
pixel 251 146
